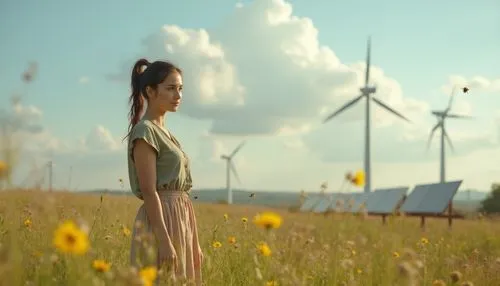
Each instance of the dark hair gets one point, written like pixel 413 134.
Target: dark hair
pixel 154 74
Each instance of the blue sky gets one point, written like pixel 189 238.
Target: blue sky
pixel 417 45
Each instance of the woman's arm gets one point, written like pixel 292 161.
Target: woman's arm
pixel 145 164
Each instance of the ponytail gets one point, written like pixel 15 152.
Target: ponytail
pixel 136 99
pixel 145 74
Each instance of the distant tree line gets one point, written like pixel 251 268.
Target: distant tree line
pixel 491 204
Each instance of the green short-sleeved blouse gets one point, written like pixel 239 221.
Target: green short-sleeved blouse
pixel 172 164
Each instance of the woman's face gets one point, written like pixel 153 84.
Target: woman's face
pixel 167 97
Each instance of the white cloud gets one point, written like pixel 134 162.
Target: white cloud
pixel 277 77
pixel 101 139
pixel 23 118
pixel 294 143
pixel 212 148
pixel 476 84
pixel 83 80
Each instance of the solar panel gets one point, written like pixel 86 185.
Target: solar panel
pixel 430 198
pixel 338 202
pixel 309 203
pixel 358 199
pixel 385 201
pixel 322 205
pixel 374 199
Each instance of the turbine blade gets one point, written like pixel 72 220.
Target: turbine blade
pixel 346 106
pixel 452 96
pixel 431 134
pixel 459 116
pixel 237 149
pixel 368 60
pixel 233 169
pixel 389 109
pixel 448 139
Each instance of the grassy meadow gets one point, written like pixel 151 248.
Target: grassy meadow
pixel 305 249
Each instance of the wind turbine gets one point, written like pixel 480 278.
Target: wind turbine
pixel 441 117
pixel 230 167
pixel 366 92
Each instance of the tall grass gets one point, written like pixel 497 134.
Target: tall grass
pixel 306 250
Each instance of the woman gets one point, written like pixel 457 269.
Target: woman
pixel 159 173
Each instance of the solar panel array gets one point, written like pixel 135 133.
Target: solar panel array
pixel 424 199
pixel 430 198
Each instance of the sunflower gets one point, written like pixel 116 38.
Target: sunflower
pixel 268 220
pixel 69 238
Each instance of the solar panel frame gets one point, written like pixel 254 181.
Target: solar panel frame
pixel 387 200
pixel 430 198
pixel 309 204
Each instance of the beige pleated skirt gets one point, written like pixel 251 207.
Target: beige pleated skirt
pixel 181 224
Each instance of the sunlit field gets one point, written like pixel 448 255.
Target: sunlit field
pixel 303 249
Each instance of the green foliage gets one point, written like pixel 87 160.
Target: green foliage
pixel 492 203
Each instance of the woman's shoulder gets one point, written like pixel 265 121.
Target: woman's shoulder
pixel 147 129
pixel 143 124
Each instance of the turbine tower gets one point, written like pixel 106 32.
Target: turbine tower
pixel 230 168
pixel 366 92
pixel 441 117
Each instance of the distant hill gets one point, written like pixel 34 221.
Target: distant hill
pixel 463 200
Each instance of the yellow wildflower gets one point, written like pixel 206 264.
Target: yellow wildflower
pixel 69 238
pixel 231 240
pixel 148 275
pixel 100 265
pixel 264 249
pixel 271 283
pixel 216 244
pixel 424 240
pixel 244 220
pixel 27 222
pixel 226 217
pixel 395 254
pixel 268 220
pixel 3 169
pixel 126 231
pixel 358 179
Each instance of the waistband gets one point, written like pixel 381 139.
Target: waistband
pixel 167 193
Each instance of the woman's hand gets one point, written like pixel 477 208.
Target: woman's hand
pixel 201 256
pixel 167 255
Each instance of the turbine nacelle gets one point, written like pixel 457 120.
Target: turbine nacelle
pixel 368 90
pixel 224 157
pixel 438 113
